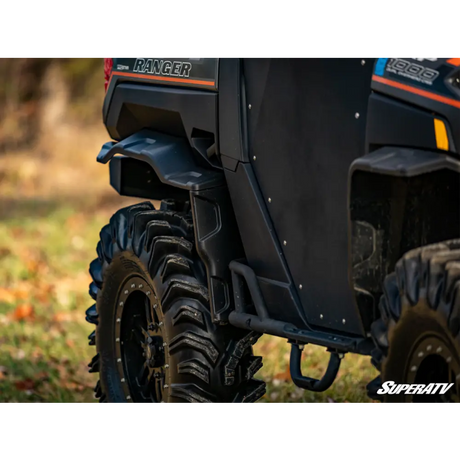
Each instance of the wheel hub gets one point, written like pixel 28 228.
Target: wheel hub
pixel 433 360
pixel 139 342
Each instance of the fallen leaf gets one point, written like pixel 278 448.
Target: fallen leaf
pixel 25 385
pixel 62 317
pixel 283 376
pixel 6 295
pixel 23 311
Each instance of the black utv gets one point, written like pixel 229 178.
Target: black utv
pixel 312 199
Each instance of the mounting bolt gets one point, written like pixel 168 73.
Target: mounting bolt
pixel 428 348
pixel 449 359
pixel 118 320
pixel 249 106
pixel 121 304
pixel 254 158
pixel 363 62
pixel 160 323
pixel 119 360
pixel 165 385
pixel 356 115
pixel 126 292
pixel 344 321
pixel 341 355
pixel 301 347
pixel 269 200
pixel 128 397
pixel 300 286
pixel 166 366
pixel 438 350
pixel 141 286
pixel 117 339
pixel 155 305
pixel 321 316
pixel 165 344
pixel 413 368
pixel 285 242
pixel 420 354
pixel 122 380
pixel 148 292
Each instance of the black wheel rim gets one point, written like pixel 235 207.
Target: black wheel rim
pixel 434 360
pixel 139 342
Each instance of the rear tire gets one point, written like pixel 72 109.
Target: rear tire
pixel 418 334
pixel 155 339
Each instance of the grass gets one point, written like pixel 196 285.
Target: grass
pixel 53 202
pixel 44 255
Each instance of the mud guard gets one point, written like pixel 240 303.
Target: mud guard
pixel 398 200
pixel 170 157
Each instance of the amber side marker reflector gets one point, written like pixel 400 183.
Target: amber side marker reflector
pixel 442 142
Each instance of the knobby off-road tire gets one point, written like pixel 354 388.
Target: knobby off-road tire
pixel 418 334
pixel 154 337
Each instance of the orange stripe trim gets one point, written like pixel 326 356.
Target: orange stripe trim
pixel 420 92
pixel 454 61
pixel 172 79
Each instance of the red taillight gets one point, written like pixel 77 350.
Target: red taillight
pixel 108 64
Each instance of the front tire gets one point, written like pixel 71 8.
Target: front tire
pixel 418 334
pixel 155 338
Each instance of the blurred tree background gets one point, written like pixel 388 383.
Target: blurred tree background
pixel 37 92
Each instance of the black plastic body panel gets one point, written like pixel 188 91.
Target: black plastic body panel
pixel 304 134
pixel 231 118
pixel 262 248
pixel 390 122
pixel 218 243
pixel 173 111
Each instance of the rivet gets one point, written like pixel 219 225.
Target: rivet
pixel 121 304
pixel 341 355
pixel 166 366
pixel 164 344
pixel 119 360
pixel 196 314
pixel 160 323
pixel 128 397
pixel 148 292
pixel 122 380
pixel 117 339
pixel 428 348
pixel 254 158
pixel 155 306
pixel 300 286
pixel 133 286
pixel 321 316
pixel 344 320
pixel 118 320
pixel 166 386
pixel 449 359
pixel 285 242
pixel 420 354
pixel 141 286
pixel 356 115
pixel 438 350
pixel 413 368
pixel 269 200
pixel 249 106
pixel 126 292
pixel 363 62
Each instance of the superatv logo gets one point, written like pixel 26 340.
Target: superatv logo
pixel 163 67
pixel 392 388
